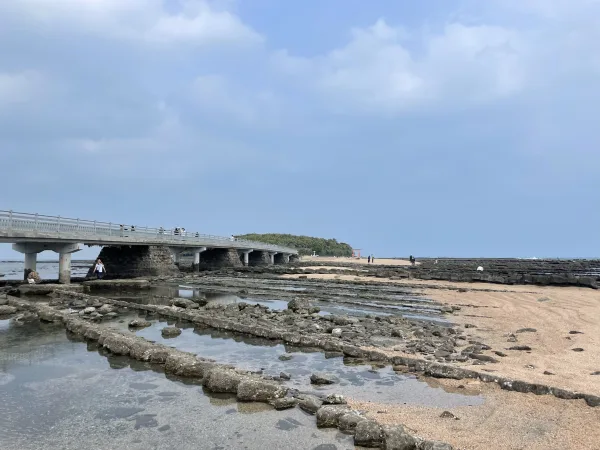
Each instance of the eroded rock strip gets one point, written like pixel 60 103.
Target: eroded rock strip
pixel 221 378
pixel 353 340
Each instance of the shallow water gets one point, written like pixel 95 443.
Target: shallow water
pixel 48 270
pixel 161 295
pixel 57 393
pixel 360 381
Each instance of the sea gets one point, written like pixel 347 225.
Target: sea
pixel 48 270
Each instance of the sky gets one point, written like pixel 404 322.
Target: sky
pixel 433 128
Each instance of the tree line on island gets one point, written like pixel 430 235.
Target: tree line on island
pixel 305 245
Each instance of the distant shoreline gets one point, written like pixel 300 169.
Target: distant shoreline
pixel 44 261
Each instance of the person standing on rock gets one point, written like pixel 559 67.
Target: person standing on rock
pixel 99 269
pixel 33 277
pixel 369 259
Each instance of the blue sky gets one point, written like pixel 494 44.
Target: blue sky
pixel 437 128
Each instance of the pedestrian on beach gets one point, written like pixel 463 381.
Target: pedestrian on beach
pixel 33 277
pixel 372 259
pixel 369 259
pixel 99 269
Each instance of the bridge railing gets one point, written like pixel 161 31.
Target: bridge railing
pixel 12 221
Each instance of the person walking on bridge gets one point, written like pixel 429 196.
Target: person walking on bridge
pixel 99 269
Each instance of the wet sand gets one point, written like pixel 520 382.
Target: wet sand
pixel 498 310
pixel 378 262
pixel 554 312
pixel 507 420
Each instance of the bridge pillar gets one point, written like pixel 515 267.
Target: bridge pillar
pixel 64 262
pixel 196 265
pixel 282 258
pixel 31 249
pixel 272 257
pixel 30 264
pixel 64 268
pixel 247 256
pixel 176 254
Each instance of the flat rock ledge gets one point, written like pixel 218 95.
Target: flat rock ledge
pixel 222 378
pixel 116 284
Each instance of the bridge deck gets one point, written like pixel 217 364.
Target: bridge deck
pixel 22 227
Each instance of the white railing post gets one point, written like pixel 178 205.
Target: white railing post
pixel 110 229
pixel 58 223
pixel 78 226
pixel 95 232
pixel 36 221
pixel 10 220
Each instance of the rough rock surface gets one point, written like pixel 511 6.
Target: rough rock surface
pixel 323 378
pixel 284 403
pixel 309 403
pixel 6 310
pixel 328 415
pixel 170 332
pixel 222 380
pixel 299 304
pixel 368 433
pixel 349 421
pixel 397 438
pixel 184 303
pixel 139 323
pixel 259 391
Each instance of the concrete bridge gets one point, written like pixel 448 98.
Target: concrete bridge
pixel 142 247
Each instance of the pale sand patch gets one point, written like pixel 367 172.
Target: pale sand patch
pixel 378 262
pixel 332 268
pixel 568 309
pixel 506 420
pixel 498 313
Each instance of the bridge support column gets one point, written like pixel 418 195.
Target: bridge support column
pixel 31 249
pixel 247 256
pixel 176 254
pixel 196 265
pixel 64 268
pixel 272 257
pixel 30 264
pixel 282 258
pixel 64 262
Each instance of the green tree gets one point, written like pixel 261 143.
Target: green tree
pixel 305 245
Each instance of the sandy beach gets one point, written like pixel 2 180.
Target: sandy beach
pixel 564 319
pixel 363 260
pixel 505 421
pixel 555 322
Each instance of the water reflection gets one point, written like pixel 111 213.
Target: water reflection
pixel 162 294
pixel 62 393
pixel 360 379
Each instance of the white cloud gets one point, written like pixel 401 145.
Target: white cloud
pixel 197 22
pixel 384 67
pixel 216 95
pixel 20 88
